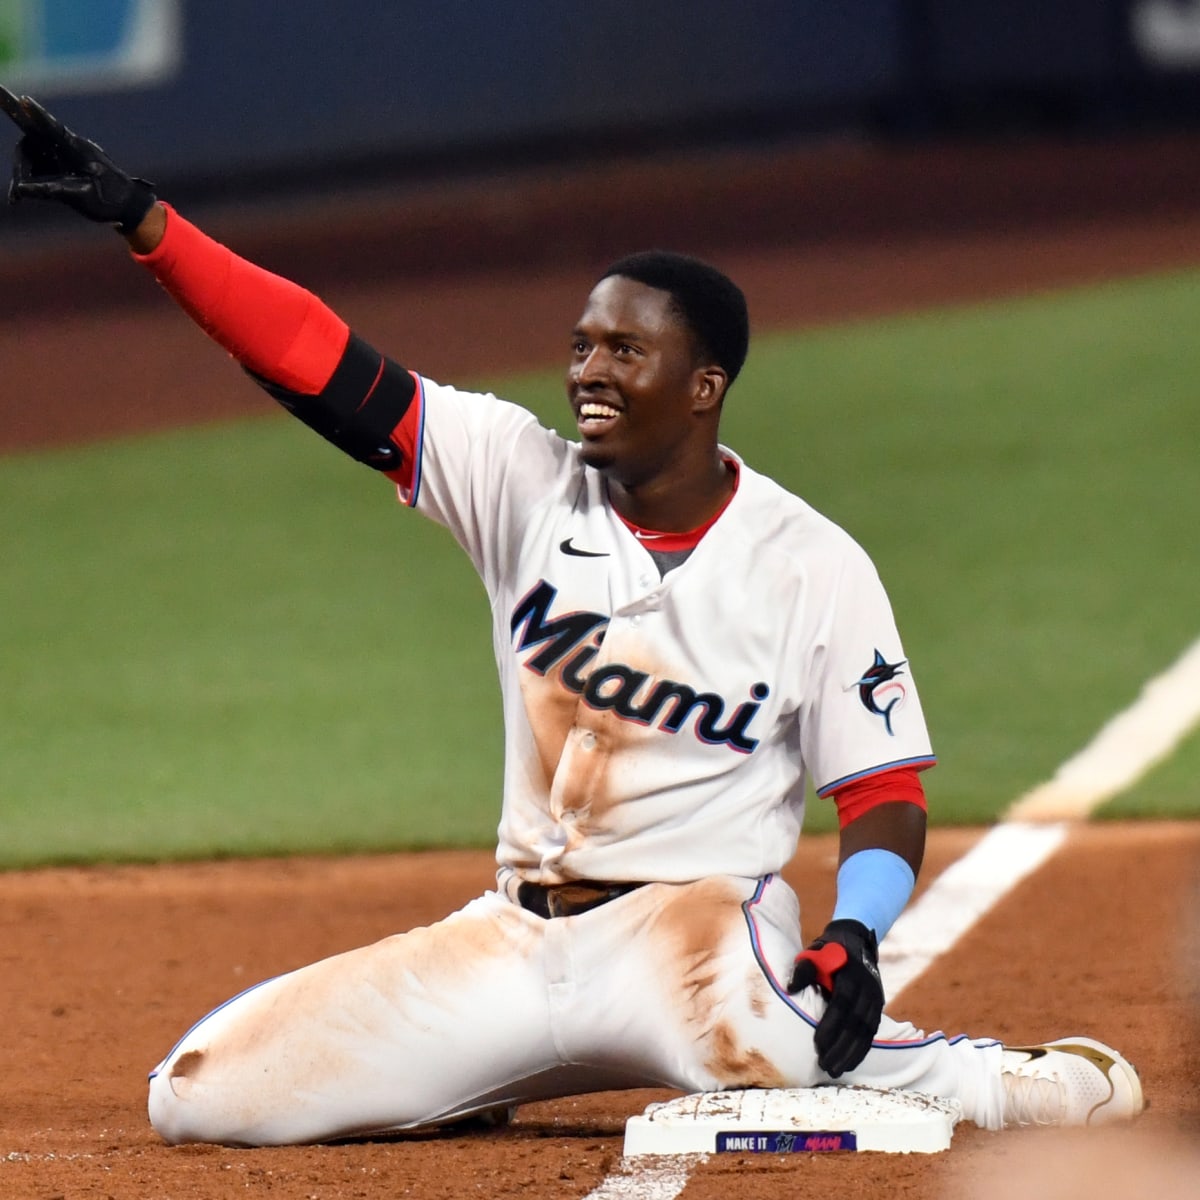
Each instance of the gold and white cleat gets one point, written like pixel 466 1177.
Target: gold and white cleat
pixel 1071 1081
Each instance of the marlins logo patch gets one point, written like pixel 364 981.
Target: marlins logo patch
pixel 880 689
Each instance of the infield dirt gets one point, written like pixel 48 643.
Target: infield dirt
pixel 107 966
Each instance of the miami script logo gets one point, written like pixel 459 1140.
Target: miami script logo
pixel 568 644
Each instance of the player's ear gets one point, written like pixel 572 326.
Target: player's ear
pixel 710 384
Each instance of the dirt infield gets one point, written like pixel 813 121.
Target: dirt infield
pixel 106 967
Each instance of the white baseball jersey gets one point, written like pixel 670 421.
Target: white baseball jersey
pixel 661 728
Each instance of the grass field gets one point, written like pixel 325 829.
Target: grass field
pixel 232 640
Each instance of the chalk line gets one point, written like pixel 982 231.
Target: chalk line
pixel 959 896
pixel 1136 739
pixel 648 1179
pixel 1036 824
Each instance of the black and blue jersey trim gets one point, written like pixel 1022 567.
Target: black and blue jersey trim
pixel 419 445
pixel 781 991
pixel 920 761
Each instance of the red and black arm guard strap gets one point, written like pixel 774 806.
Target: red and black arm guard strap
pixel 360 407
pixel 296 347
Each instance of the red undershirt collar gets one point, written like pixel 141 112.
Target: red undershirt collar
pixel 655 539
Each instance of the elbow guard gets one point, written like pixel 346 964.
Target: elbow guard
pixel 359 408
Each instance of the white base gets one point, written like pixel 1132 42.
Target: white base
pixel 790 1120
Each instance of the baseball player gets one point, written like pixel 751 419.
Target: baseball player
pixel 681 644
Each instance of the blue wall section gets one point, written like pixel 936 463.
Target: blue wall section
pixel 279 80
pixel 278 83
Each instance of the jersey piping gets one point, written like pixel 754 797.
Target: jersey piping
pixel 921 762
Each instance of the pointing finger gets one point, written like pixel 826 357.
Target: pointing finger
pixel 14 108
pixel 39 121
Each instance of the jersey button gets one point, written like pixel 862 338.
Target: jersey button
pixel 588 741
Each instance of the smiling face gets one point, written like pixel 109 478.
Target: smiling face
pixel 646 403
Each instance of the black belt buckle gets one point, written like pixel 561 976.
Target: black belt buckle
pixel 558 905
pixel 564 900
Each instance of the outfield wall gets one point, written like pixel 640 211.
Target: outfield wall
pixel 194 90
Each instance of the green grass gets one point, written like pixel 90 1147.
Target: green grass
pixel 232 640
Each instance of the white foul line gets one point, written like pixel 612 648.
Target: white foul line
pixel 648 1178
pixel 1122 751
pixel 1032 829
pixel 959 896
pixel 1125 749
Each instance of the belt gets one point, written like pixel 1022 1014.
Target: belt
pixel 569 899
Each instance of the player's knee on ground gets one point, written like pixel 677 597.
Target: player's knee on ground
pixel 174 1118
pixel 189 1103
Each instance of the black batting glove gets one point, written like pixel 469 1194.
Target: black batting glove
pixel 844 963
pixel 52 163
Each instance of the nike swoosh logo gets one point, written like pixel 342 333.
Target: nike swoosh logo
pixel 567 548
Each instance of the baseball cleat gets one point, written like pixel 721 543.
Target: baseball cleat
pixel 1071 1081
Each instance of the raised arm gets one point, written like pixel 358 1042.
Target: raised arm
pixel 291 343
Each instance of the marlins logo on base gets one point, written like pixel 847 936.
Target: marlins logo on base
pixel 795 1121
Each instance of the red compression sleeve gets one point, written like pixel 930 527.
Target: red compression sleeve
pixel 898 783
pixel 269 324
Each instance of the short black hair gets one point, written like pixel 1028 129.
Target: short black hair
pixel 709 302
